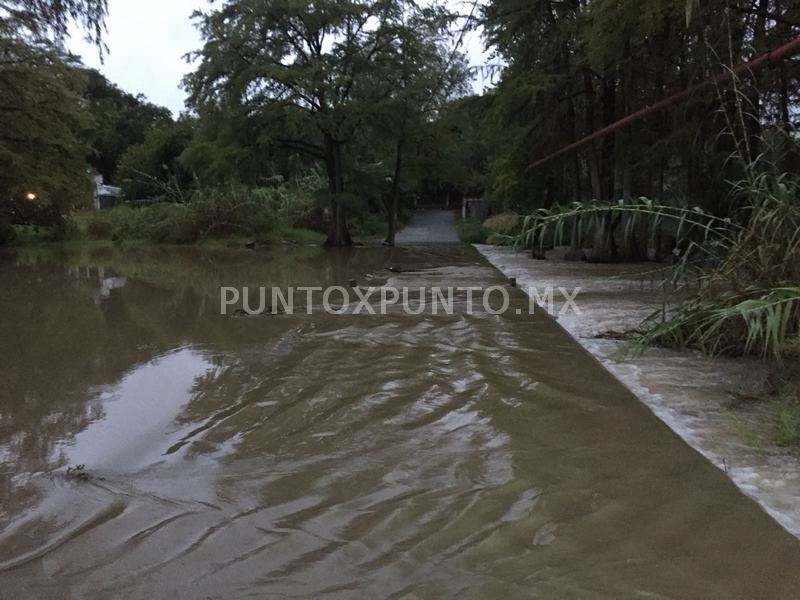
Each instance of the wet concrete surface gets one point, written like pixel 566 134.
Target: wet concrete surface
pixel 429 227
pixel 699 397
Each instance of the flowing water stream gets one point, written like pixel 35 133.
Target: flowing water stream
pixel 354 456
pixel 709 402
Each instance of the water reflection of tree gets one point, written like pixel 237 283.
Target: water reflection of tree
pixel 59 347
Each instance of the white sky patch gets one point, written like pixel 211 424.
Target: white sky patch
pixel 148 39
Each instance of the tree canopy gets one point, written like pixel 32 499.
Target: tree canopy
pixel 40 115
pixel 313 73
pixel 374 96
pixel 576 66
pixel 51 18
pixel 119 120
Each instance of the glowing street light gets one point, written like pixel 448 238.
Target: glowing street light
pixel 30 196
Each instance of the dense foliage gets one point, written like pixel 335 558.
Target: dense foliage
pixel 41 151
pixel 118 121
pixel 576 66
pixel 56 118
pixel 313 77
pixel 356 91
pixel 231 210
pixel 709 183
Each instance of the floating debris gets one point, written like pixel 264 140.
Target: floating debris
pixel 240 313
pixel 78 472
pixel 612 334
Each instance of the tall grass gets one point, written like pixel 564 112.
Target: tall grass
pixel 736 280
pixel 188 217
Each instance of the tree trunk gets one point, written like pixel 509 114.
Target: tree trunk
pixel 575 252
pixel 338 233
pixel 786 121
pixel 608 146
pixel 594 162
pixel 635 244
pixel 538 251
pixel 604 249
pixel 663 245
pixel 393 204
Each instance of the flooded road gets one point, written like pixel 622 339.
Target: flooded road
pixel 705 400
pixel 321 456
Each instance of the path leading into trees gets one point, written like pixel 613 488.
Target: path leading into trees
pixel 429 227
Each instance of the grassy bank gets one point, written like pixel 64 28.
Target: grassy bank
pixel 220 220
pixel 80 235
pixel 472 231
pixel 227 214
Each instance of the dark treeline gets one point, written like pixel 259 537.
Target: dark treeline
pixel 709 182
pixel 348 94
pixel 365 108
pixel 575 67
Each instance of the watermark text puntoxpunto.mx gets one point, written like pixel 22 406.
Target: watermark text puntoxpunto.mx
pixel 374 301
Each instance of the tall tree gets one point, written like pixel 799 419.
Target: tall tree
pixel 302 66
pixel 42 116
pixel 576 66
pixel 415 78
pixel 119 120
pixel 153 169
pixel 51 18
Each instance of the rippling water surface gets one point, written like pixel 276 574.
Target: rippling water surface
pixel 396 456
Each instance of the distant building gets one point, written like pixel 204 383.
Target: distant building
pixel 474 208
pixel 104 196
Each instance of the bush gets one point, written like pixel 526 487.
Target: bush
pixel 169 224
pixel 504 228
pixel 209 212
pixel 232 210
pixel 62 230
pixel 472 232
pixel 7 232
pixel 504 224
pixel 99 229
pixel 120 222
pixel 368 225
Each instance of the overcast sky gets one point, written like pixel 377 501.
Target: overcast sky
pixel 147 40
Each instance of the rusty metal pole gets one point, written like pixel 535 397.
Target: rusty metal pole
pixel 765 60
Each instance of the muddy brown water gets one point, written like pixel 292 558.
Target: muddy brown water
pixel 396 456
